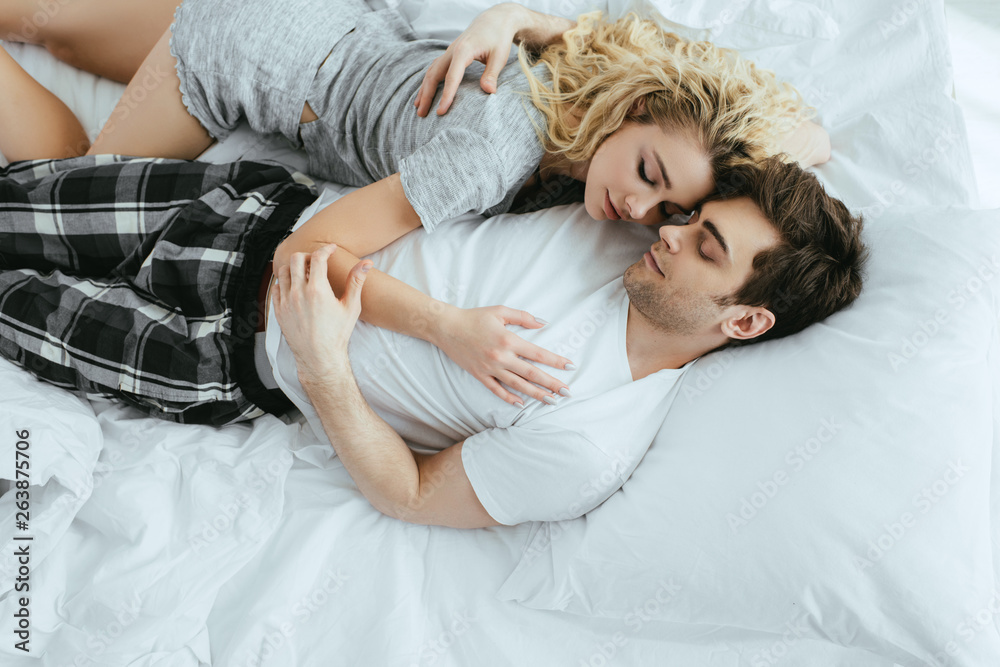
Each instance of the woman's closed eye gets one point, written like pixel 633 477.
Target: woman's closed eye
pixel 667 209
pixel 642 172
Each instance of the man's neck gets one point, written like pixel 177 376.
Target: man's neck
pixel 650 349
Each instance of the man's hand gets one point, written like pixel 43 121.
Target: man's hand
pixel 488 39
pixel 316 324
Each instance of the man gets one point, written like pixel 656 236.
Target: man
pixel 168 322
pixel 765 260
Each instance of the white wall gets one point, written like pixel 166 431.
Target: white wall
pixel 974 31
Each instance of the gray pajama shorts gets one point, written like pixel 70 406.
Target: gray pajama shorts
pixel 255 59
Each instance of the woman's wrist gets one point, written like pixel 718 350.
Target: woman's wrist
pixel 440 318
pixel 537 29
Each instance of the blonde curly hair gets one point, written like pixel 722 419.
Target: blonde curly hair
pixel 633 69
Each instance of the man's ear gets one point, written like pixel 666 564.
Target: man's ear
pixel 748 322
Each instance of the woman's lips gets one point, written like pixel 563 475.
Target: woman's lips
pixel 609 208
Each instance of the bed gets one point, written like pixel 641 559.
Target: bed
pixel 824 500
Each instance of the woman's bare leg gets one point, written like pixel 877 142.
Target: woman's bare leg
pixel 150 120
pixel 34 123
pixel 107 37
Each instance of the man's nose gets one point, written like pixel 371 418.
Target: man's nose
pixel 671 237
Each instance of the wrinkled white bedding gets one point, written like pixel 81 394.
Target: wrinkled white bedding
pixel 160 544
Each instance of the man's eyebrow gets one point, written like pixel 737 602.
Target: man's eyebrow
pixel 714 231
pixel 663 170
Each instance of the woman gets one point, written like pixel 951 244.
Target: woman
pixel 647 136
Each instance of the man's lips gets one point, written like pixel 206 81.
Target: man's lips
pixel 609 208
pixel 651 262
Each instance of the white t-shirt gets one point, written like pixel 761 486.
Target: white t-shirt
pixel 539 462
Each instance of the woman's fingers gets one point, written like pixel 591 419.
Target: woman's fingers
pixel 498 390
pixel 521 318
pixel 456 72
pixel 523 348
pixel 535 353
pixel 517 382
pixel 541 384
pixel 450 68
pixel 428 88
pixel 495 63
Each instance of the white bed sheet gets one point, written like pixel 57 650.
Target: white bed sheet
pixel 159 544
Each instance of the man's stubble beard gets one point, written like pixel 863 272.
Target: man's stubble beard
pixel 676 311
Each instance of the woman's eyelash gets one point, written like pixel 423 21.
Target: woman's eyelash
pixel 642 172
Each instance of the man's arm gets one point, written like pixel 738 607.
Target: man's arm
pixel 317 326
pixel 432 490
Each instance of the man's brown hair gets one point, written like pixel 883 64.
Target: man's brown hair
pixel 816 267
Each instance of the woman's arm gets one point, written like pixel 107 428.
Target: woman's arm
pixel 808 144
pixel 476 339
pixel 488 39
pixel 34 123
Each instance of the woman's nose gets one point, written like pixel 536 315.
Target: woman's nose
pixel 639 206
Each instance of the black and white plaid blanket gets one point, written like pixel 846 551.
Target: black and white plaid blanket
pixel 137 278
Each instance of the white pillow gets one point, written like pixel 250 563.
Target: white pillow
pixel 743 25
pixel 447 19
pixel 837 480
pixel 737 25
